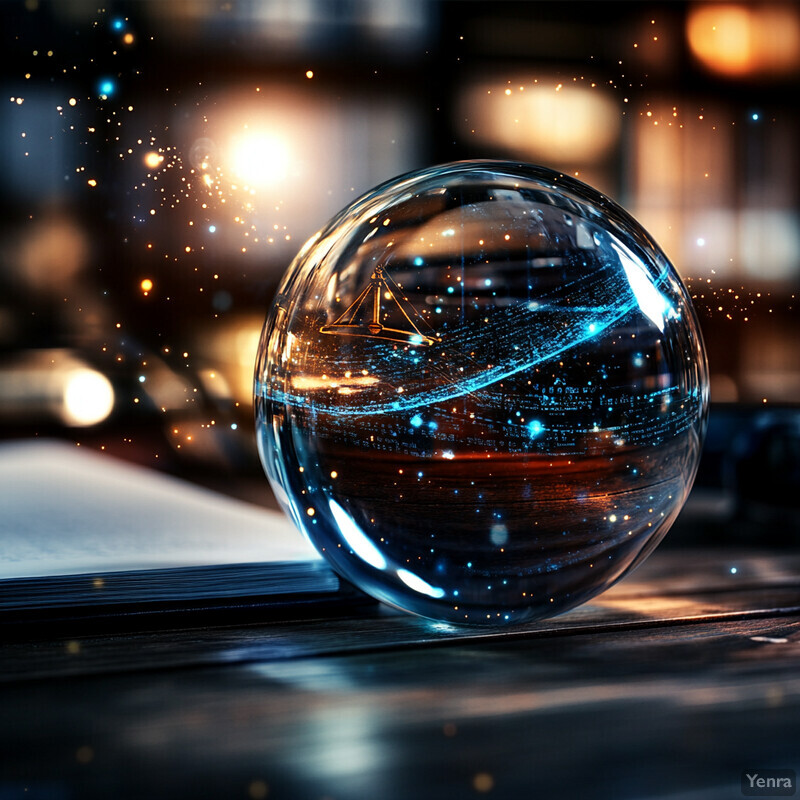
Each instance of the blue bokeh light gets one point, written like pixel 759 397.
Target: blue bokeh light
pixel 106 87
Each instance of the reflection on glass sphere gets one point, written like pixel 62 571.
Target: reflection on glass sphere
pixel 481 392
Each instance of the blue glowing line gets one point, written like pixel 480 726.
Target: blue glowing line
pixel 544 343
pixel 411 400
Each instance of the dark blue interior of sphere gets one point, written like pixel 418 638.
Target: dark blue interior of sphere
pixel 481 392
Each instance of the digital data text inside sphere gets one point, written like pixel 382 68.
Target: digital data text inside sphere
pixel 481 392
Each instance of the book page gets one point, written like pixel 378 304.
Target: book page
pixel 67 510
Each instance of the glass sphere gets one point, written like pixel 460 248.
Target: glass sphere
pixel 481 392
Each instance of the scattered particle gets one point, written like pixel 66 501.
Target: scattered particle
pixel 106 87
pixel 153 159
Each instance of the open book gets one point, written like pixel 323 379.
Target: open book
pixel 84 535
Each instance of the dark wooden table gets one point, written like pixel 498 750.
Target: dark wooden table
pixel 667 686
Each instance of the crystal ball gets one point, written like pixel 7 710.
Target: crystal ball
pixel 481 392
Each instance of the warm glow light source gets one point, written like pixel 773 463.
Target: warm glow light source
pixel 256 153
pixel 146 285
pixel 260 158
pixel 51 254
pixel 233 348
pixel 88 397
pixel 541 120
pixel 153 159
pixel 740 40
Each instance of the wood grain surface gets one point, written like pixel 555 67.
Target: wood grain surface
pixel 667 686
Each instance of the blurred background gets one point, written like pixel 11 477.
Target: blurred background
pixel 164 161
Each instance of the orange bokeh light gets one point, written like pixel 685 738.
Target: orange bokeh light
pixel 738 40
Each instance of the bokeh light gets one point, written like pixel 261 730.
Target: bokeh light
pixel 260 157
pixel 738 39
pixel 88 398
pixel 153 159
pixel 543 118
